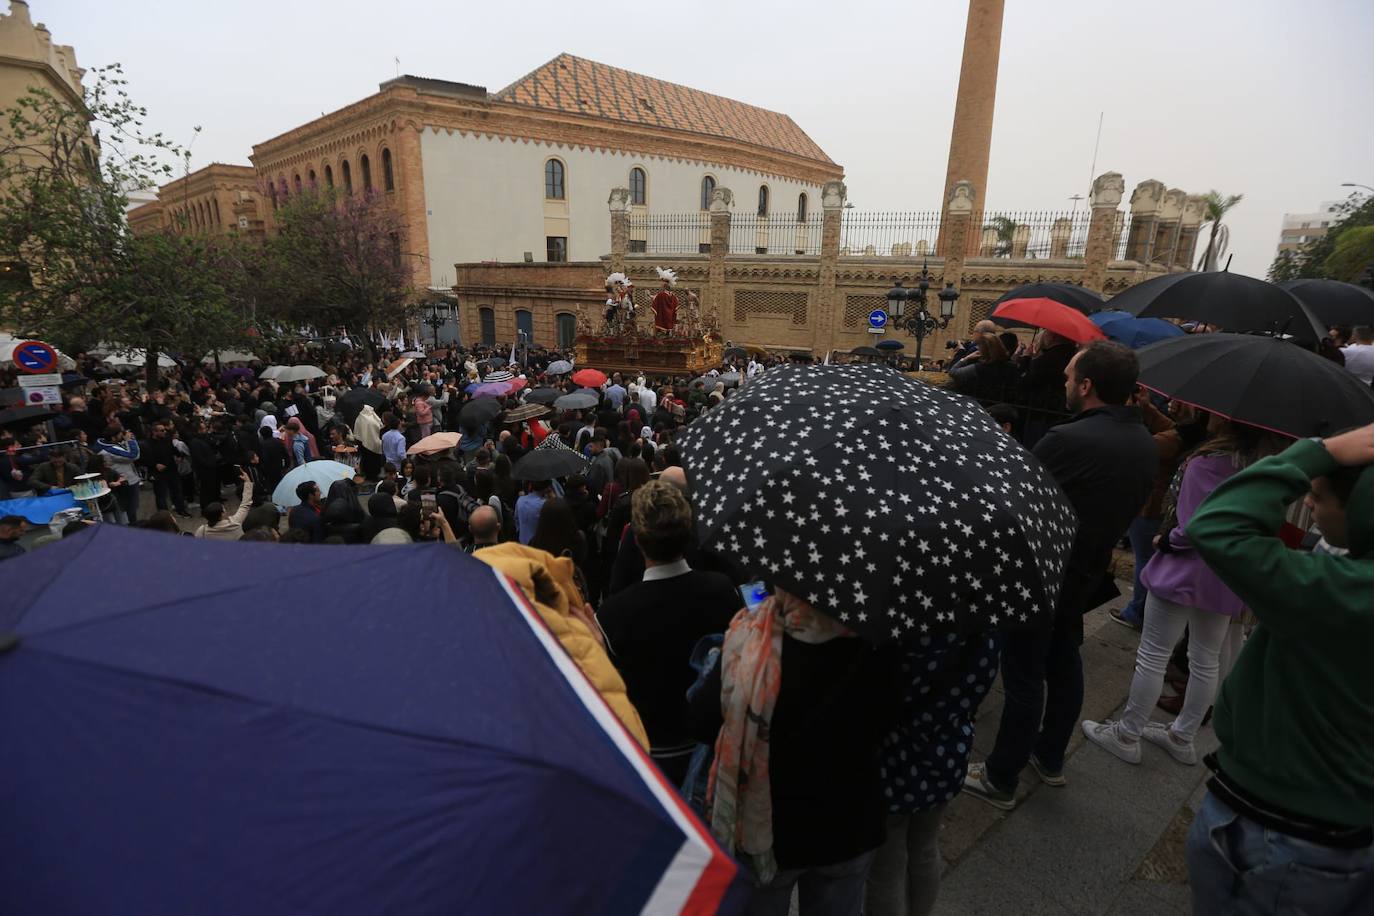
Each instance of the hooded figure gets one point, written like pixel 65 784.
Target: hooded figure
pixel 381 512
pixel 367 429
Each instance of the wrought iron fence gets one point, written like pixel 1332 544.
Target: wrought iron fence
pixel 670 233
pixel 776 234
pixel 889 234
pixel 1033 235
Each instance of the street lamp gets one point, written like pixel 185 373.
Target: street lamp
pixel 918 322
pixel 436 316
pixel 1351 184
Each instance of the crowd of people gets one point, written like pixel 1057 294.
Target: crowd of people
pixel 824 762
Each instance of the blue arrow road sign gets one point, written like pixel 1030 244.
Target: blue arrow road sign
pixel 877 318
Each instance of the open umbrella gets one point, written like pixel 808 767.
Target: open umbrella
pixel 435 443
pixel 1062 319
pixel 412 354
pixel 735 353
pixel 543 395
pixel 498 375
pixel 227 376
pixel 890 344
pixel 1235 302
pixel 298 373
pixel 270 373
pixel 26 414
pixel 492 390
pixel 548 460
pixel 1262 381
pixel 476 412
pixel 130 359
pixel 850 486
pixel 1134 332
pixel 256 757
pixel 397 366
pixel 730 379
pixel 865 351
pixel 1075 297
pixel 1334 302
pixel 524 412
pixel 576 401
pixel 229 356
pixel 323 472
pixel 559 367
pixel 589 378
pixel 351 402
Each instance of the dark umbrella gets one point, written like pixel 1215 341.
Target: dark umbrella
pixel 478 411
pixel 576 401
pixel 730 379
pixel 559 367
pixel 228 375
pixel 543 395
pixel 1334 302
pixel 1234 302
pixel 891 504
pixel 735 353
pixel 351 402
pixel 1261 381
pixel 866 351
pixel 25 414
pixel 549 459
pixel 891 345
pixel 1075 297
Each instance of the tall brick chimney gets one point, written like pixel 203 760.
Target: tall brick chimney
pixel 971 139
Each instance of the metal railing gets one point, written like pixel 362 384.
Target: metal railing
pixel 775 234
pixel 889 234
pixel 670 233
pixel 1034 235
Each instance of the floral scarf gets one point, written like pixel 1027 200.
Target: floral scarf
pixel 750 677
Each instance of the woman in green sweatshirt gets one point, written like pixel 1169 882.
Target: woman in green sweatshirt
pixel 1286 826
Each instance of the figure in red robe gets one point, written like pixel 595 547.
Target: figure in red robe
pixel 665 304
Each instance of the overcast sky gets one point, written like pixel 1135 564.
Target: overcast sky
pixel 1265 98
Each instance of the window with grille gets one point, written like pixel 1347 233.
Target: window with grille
pixel 979 310
pixel 639 246
pixel 524 324
pixel 857 308
pixel 751 303
pixel 488 319
pixel 553 180
pixel 567 329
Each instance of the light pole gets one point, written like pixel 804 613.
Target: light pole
pixel 436 316
pixel 918 322
pixel 1351 184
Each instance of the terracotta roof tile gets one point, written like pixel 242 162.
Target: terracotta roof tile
pixel 576 85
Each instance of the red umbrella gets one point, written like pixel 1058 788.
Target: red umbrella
pixel 589 378
pixel 1052 316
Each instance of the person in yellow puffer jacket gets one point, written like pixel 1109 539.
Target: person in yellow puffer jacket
pixel 547 582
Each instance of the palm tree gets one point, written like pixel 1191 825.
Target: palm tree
pixel 1218 205
pixel 1006 232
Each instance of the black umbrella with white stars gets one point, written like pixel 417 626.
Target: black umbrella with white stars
pixel 891 505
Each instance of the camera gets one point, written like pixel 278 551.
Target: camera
pixel 951 345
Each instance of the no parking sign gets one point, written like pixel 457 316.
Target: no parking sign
pixel 35 357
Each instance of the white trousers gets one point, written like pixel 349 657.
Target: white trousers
pixel 1163 628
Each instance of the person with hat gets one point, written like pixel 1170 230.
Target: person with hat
pixel 665 303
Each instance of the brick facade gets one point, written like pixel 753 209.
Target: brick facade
pixel 218 199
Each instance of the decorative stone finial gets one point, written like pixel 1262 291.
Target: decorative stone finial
pixel 1194 208
pixel 619 201
pixel 721 200
pixel 1147 196
pixel 833 195
pixel 1108 189
pixel 1172 206
pixel 961 198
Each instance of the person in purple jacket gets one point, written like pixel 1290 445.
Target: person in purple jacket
pixel 1184 592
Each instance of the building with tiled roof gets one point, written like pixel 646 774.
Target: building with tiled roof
pixel 524 173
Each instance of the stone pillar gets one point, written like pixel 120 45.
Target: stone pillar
pixel 1167 227
pixel 1194 209
pixel 962 198
pixel 829 311
pixel 619 203
pixel 1103 229
pixel 970 140
pixel 714 304
pixel 1020 241
pixel 956 228
pixel 1146 200
pixel 1060 231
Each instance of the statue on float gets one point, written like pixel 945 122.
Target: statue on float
pixel 620 304
pixel 665 303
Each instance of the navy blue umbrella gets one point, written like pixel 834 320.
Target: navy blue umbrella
pixel 1134 332
pixel 193 726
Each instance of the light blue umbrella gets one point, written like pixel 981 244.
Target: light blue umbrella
pixel 323 473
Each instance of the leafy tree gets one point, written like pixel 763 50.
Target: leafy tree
pixel 1217 206
pixel 339 260
pixel 78 274
pixel 1312 258
pixel 1005 228
pixel 1354 254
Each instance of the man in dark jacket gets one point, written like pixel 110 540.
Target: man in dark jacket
pixel 1104 460
pixel 306 516
pixel 158 455
pixel 206 461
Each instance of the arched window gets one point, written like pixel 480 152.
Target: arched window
pixel 215 203
pixel 388 178
pixel 329 177
pixel 763 200
pixel 367 172
pixel 272 192
pixel 553 180
pixel 524 323
pixel 801 208
pixel 639 189
pixel 347 178
pixel 567 330
pixel 281 187
pixel 296 182
pixel 488 320
pixel 708 187
pixel 311 178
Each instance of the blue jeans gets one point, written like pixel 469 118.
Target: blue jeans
pixel 1141 533
pixel 1237 866
pixel 825 890
pixel 1042 678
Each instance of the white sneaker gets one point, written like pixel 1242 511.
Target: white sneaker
pixel 1179 749
pixel 1107 735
